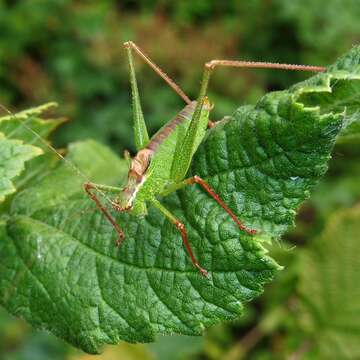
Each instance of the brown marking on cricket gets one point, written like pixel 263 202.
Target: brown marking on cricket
pixel 183 115
pixel 138 167
pixel 140 163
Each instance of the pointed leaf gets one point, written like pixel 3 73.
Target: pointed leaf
pixel 13 155
pixel 24 126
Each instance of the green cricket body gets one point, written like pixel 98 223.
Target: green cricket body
pixel 151 170
pixel 162 162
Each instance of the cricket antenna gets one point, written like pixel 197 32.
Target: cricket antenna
pixel 49 146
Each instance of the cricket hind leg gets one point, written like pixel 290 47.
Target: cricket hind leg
pixel 158 70
pixel 211 65
pixel 181 228
pixel 178 90
pixel 89 189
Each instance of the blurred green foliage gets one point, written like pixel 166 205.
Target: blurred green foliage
pixel 71 52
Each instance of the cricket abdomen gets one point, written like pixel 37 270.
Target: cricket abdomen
pixel 184 115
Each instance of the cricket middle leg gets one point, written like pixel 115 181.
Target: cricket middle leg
pixel 181 227
pixel 89 189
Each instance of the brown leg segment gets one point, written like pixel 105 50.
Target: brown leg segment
pixel 156 68
pixel 181 227
pixel 89 187
pixel 198 180
pixel 161 73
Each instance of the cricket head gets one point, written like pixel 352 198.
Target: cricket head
pixel 136 177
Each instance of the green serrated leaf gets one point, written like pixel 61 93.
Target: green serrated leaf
pixel 35 111
pixel 74 270
pixel 329 286
pixel 267 159
pixel 71 279
pixel 19 125
pixel 13 155
pixel 341 83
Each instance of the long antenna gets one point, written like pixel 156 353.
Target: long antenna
pixel 66 161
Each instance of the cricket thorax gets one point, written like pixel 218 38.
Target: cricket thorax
pixel 139 164
pixel 136 175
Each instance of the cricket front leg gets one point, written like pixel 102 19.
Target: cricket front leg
pixel 181 227
pixel 89 189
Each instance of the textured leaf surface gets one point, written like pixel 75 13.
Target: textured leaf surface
pixel 329 285
pixel 70 265
pixel 72 280
pixel 13 155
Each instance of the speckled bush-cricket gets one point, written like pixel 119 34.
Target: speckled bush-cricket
pixel 162 161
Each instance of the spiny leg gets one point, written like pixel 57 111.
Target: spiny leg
pixel 198 180
pixel 156 68
pixel 181 227
pixel 210 66
pixel 161 73
pixel 89 187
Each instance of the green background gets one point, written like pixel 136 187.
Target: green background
pixel 71 52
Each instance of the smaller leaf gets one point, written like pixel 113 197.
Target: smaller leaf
pixel 13 155
pixel 30 128
pixel 24 124
pixel 30 112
